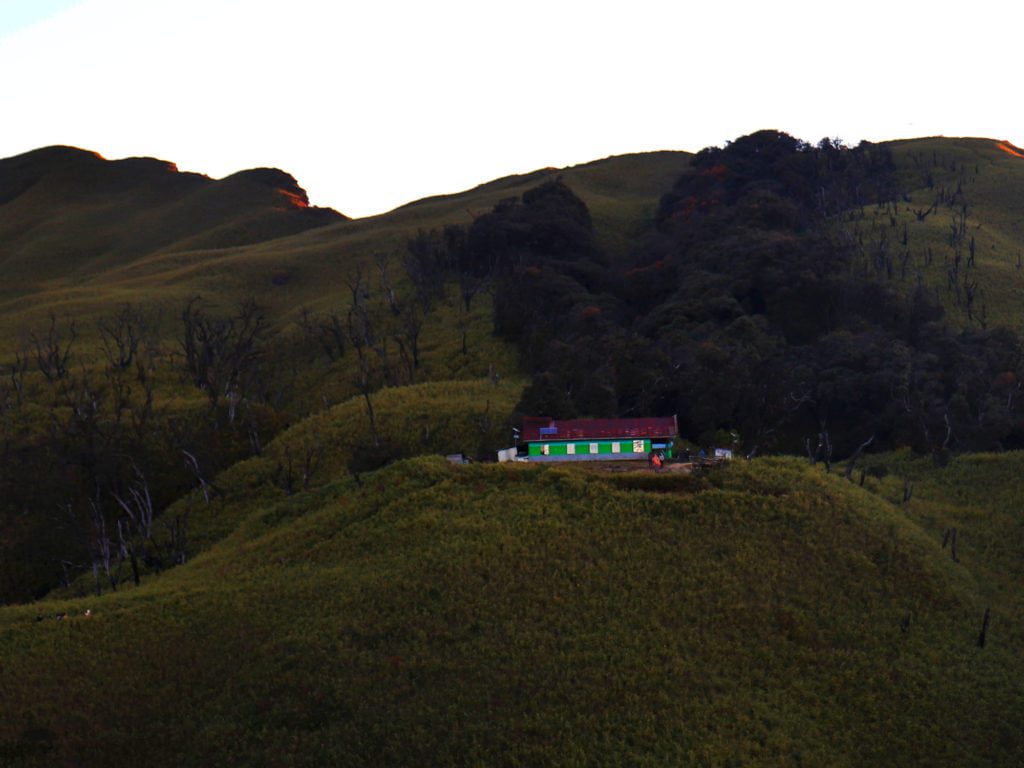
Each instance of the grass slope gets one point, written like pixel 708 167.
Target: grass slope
pixel 67 213
pixel 87 233
pixel 991 180
pixel 518 615
pixel 440 417
pixel 430 614
pixel 155 252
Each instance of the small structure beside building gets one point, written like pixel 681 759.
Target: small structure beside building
pixel 507 454
pixel 598 439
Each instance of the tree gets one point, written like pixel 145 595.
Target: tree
pixel 53 351
pixel 363 338
pixel 221 355
pixel 121 336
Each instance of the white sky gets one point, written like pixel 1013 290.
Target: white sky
pixel 373 104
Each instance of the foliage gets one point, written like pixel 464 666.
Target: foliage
pixel 748 310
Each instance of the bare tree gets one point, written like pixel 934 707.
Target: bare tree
pixel 969 292
pixel 103 551
pixel 135 530
pixel 53 351
pixel 91 532
pixel 208 489
pixel 307 461
pixel 126 541
pixel 327 332
pixel 177 530
pixel 366 378
pixel 386 287
pixel 13 394
pixel 407 336
pixel 922 214
pixel 372 370
pixel 425 263
pixel 221 355
pixel 121 335
pixel 332 335
pixel 825 448
pixel 856 455
pixel 983 635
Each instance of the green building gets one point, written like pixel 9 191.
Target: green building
pixel 598 439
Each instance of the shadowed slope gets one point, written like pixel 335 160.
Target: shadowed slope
pixel 66 212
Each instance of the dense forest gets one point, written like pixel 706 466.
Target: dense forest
pixel 753 310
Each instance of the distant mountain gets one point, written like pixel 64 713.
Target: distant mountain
pixel 65 211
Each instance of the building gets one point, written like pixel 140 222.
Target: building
pixel 597 439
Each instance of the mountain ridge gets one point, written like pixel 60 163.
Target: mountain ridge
pixel 93 212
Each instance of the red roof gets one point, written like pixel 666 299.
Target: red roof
pixel 539 428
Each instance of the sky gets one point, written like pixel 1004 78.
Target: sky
pixel 376 103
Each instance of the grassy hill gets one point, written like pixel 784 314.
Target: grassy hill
pixel 510 615
pixel 943 179
pixel 81 237
pixel 330 611
pixel 68 214
pixel 81 234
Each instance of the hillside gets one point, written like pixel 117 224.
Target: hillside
pixel 81 234
pixel 105 256
pixel 767 615
pixel 228 537
pixel 67 214
pixel 978 185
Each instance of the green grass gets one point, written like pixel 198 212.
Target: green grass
pixel 992 182
pixel 438 418
pixel 518 615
